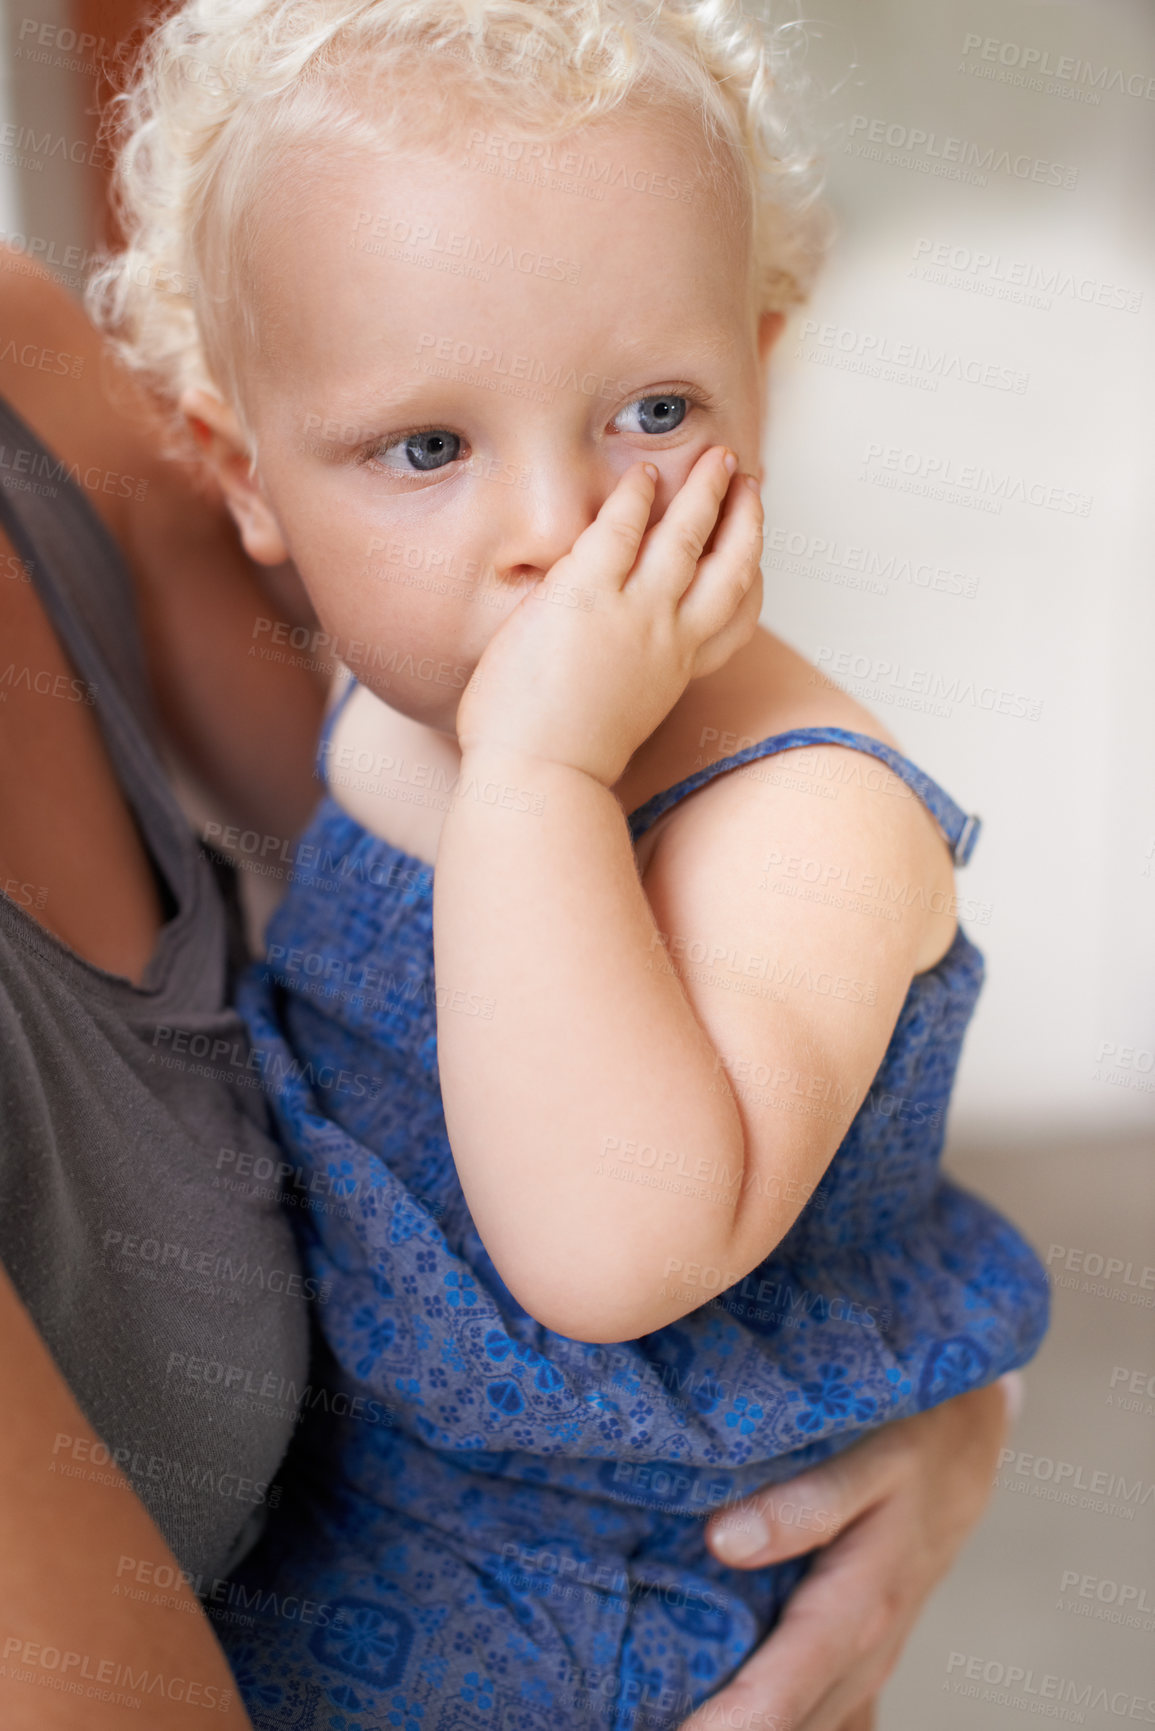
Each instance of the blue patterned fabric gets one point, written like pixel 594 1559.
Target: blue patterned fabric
pixel 490 1525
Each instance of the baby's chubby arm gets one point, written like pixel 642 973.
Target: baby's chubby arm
pixel 604 1038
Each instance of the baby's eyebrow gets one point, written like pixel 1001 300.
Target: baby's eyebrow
pixel 381 406
pixel 708 343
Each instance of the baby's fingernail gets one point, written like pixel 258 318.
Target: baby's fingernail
pixel 752 482
pixel 730 462
pixel 651 470
pixel 737 1537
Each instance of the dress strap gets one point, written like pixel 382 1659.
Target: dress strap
pixel 325 742
pixel 960 828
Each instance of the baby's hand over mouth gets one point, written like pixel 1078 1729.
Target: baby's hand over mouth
pixel 585 684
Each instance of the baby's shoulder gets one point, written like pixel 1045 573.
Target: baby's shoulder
pixel 827 821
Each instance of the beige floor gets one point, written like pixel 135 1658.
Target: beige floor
pixel 1004 1605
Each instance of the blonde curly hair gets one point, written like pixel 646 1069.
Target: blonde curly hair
pixel 223 90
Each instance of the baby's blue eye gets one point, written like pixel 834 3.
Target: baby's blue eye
pixel 658 414
pixel 430 450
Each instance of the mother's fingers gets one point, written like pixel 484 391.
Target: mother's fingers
pixel 852 1704
pixel 865 1719
pixel 837 1714
pixel 812 1509
pixel 839 1624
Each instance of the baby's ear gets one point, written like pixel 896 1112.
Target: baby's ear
pixel 221 441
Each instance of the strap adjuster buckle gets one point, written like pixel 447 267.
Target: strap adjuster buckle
pixel 968 835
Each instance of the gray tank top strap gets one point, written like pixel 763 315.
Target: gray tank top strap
pixel 49 520
pixel 81 579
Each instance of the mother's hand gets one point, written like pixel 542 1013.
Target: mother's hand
pixel 891 1513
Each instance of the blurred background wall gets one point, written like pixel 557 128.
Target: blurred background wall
pixel 959 521
pixel 966 404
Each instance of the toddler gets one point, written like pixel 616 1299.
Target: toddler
pixel 619 1130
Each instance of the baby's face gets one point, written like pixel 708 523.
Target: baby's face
pixel 457 365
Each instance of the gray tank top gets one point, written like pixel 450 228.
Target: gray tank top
pixel 140 1219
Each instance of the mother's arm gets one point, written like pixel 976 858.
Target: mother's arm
pixel 75 1649
pixel 890 1514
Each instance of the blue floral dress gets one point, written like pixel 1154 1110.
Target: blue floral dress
pixel 484 1525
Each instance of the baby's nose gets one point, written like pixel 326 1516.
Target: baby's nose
pixel 546 510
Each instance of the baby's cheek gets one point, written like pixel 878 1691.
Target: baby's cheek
pixel 424 688
pixel 410 655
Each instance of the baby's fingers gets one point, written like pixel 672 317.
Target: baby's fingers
pixel 673 548
pixel 713 652
pixel 731 568
pixel 605 551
